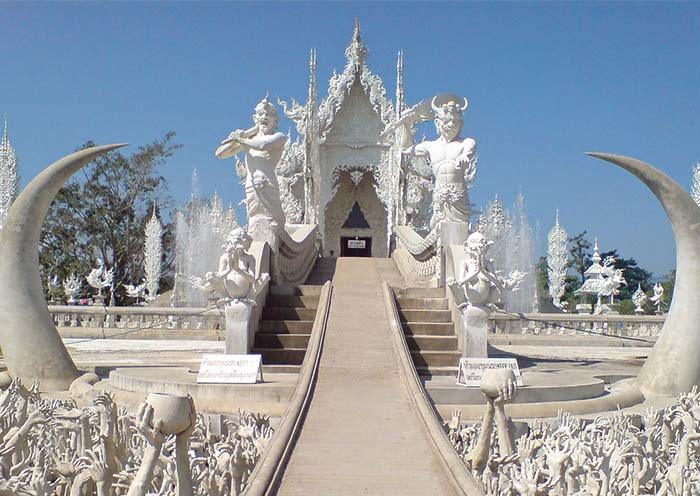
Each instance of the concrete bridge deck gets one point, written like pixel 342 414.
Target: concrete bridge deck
pixel 361 434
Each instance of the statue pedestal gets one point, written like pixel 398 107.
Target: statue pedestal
pixel 453 233
pixel 238 316
pixel 475 326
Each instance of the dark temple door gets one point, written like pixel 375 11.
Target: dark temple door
pixel 355 247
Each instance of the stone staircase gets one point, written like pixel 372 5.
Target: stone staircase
pixel 285 327
pixel 427 325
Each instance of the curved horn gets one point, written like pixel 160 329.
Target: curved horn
pixel 28 337
pixel 433 106
pixel 466 104
pixel 673 366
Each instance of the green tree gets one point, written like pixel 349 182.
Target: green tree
pixel 580 255
pixel 102 213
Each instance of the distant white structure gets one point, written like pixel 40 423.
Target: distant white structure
pixel 557 262
pixel 153 254
pixel 695 190
pixel 602 280
pixel 639 298
pixel 9 175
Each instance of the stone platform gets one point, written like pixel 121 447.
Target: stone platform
pixel 539 387
pixel 270 396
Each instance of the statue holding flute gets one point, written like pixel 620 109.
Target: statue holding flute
pixel 263 146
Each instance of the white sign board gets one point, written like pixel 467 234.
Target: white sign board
pixel 230 369
pixel 471 369
pixel 357 243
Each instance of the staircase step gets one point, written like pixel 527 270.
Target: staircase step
pixel 292 301
pixel 425 315
pixel 280 369
pixel 286 356
pixel 431 343
pixel 428 328
pixel 263 340
pixel 422 303
pixel 420 292
pixel 302 290
pixel 433 371
pixel 281 313
pixel 286 326
pixel 436 358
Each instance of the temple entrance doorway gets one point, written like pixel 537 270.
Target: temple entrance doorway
pixel 355 246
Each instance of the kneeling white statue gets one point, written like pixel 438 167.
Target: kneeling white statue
pixel 235 280
pixel 479 289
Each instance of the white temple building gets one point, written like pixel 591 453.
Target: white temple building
pixel 341 174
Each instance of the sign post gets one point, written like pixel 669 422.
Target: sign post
pixel 230 369
pixel 471 370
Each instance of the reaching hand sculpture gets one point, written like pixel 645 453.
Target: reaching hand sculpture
pixel 452 158
pixel 618 454
pixel 263 147
pixel 499 387
pixel 51 447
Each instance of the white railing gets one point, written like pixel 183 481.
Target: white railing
pixel 99 317
pixel 577 324
pixel 418 259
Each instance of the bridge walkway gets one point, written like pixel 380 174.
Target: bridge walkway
pixel 361 434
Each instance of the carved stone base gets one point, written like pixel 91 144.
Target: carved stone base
pixel 238 316
pixel 453 233
pixel 475 323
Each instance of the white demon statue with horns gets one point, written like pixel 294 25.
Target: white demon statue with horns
pixel 452 158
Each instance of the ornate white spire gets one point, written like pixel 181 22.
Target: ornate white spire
pixel 356 52
pixel 153 254
pixel 312 77
pixel 557 262
pixel 9 176
pixel 596 253
pixel 400 95
pixel 695 190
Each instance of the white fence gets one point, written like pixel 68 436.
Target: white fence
pixel 577 324
pixel 98 317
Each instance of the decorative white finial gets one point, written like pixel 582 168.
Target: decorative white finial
pixel 356 52
pixel 596 253
pixel 557 262
pixel 9 175
pixel 400 97
pixel 153 254
pixel 695 190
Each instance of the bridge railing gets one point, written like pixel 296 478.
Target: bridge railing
pixel 577 324
pixel 96 317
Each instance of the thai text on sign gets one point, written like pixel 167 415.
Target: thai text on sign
pixel 230 369
pixel 471 369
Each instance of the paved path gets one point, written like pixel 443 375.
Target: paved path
pixel 361 434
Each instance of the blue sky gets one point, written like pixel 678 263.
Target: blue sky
pixel 546 82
